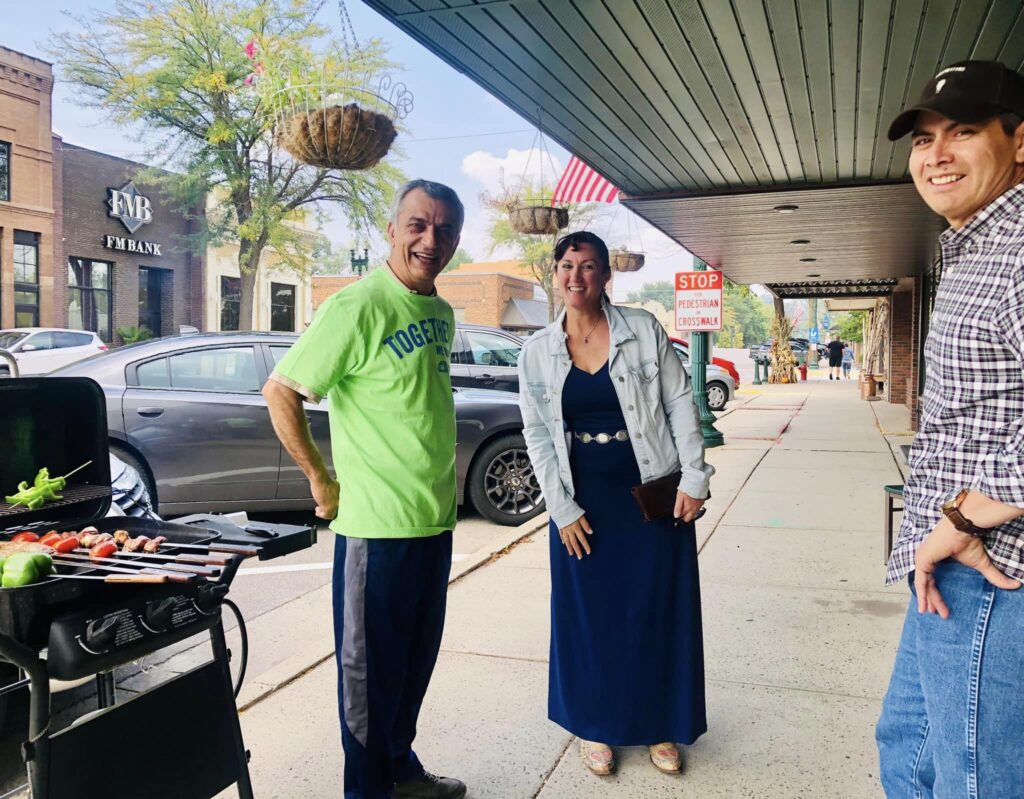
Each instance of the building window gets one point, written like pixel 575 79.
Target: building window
pixel 230 302
pixel 26 279
pixel 282 307
pixel 5 171
pixel 89 296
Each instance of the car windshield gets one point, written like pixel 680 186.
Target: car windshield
pixel 8 338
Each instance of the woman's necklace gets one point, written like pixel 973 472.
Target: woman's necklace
pixel 586 336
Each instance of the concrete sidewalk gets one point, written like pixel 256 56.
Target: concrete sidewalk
pixel 800 635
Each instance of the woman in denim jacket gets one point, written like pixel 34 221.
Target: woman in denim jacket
pixel 606 405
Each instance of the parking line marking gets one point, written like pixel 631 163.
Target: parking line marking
pixel 306 567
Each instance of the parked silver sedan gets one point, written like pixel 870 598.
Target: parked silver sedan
pixel 186 412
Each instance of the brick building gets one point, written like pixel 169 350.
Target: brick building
pixel 125 259
pixel 480 298
pixel 27 209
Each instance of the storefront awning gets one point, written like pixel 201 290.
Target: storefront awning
pixel 708 113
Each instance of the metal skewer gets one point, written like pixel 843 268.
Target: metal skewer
pixel 205 571
pixel 113 578
pixel 235 549
pixel 171 577
pixel 66 476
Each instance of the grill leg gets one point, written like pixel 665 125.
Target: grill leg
pixel 37 748
pixel 106 691
pixel 220 654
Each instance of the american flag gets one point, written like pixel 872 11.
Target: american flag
pixel 581 184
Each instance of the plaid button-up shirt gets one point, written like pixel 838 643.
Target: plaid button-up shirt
pixel 972 431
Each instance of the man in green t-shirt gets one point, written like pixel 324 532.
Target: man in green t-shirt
pixel 379 352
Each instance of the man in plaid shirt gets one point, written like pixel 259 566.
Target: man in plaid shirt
pixel 953 718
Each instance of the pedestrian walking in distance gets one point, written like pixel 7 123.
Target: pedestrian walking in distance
pixel 952 721
pixel 378 351
pixel 835 358
pixel 847 360
pixel 607 406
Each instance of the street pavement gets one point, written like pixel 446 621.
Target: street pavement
pixel 799 632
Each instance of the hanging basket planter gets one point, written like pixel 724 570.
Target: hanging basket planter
pixel 538 220
pixel 626 261
pixel 338 137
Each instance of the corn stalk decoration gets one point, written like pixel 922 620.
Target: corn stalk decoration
pixel 783 360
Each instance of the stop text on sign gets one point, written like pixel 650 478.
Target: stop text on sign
pixel 699 300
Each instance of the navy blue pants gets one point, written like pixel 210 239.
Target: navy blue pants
pixel 389 604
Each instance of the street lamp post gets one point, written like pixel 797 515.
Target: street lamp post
pixel 812 363
pixel 700 347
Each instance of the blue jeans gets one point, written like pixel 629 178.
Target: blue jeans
pixel 953 718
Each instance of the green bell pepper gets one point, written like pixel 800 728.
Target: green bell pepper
pixel 25 568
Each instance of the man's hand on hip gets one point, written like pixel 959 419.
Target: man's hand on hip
pixel 945 541
pixel 325 494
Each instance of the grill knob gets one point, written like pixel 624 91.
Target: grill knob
pixel 100 634
pixel 159 612
pixel 209 597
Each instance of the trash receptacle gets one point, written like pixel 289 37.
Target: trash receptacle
pixel 803 370
pixel 867 387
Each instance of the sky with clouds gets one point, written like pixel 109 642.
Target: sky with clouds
pixel 456 133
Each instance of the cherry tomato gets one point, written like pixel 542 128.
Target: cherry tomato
pixel 50 539
pixel 25 537
pixel 66 545
pixel 104 549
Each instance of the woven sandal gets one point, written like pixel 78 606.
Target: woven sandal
pixel 665 757
pixel 597 757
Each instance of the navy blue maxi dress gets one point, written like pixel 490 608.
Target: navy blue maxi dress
pixel 627 656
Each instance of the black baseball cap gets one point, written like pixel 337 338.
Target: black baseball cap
pixel 970 91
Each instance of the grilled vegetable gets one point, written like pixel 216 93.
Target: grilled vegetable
pixel 26 537
pixel 43 488
pixel 154 545
pixel 66 545
pixel 25 568
pixel 50 539
pixel 104 549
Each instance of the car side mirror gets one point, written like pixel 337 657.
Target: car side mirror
pixel 29 348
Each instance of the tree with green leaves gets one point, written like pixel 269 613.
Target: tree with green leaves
pixel 661 291
pixel 186 75
pixel 461 257
pixel 536 252
pixel 851 326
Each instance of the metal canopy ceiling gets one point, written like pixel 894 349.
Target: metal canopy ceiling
pixel 679 101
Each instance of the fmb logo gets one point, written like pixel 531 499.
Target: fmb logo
pixel 129 206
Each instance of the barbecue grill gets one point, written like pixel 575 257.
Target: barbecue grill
pixel 81 622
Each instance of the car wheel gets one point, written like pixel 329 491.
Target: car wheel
pixel 718 395
pixel 143 470
pixel 502 484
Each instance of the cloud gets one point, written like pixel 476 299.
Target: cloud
pixel 492 171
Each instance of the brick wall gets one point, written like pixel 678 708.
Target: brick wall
pixel 902 352
pixel 60 283
pixel 26 85
pixel 86 176
pixel 483 297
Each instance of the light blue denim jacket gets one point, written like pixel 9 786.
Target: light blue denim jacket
pixel 653 390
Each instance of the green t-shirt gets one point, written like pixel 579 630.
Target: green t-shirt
pixel 380 355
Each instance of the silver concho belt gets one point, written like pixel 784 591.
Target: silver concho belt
pixel 603 438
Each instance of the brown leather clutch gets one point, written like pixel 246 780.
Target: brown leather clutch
pixel 657 499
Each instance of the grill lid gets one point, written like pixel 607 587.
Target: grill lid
pixel 59 423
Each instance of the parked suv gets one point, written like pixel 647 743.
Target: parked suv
pixel 186 412
pixel 38 350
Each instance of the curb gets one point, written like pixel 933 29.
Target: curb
pixel 258 687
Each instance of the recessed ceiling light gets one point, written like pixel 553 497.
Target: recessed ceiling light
pixel 808 260
pixel 800 241
pixel 785 209
pixel 814 274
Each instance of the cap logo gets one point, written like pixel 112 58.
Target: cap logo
pixel 951 69
pixel 939 85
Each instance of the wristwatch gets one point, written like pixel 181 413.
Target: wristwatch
pixel 951 509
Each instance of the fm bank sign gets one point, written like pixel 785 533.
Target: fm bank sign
pixel 133 210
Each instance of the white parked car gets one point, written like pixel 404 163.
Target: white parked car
pixel 38 350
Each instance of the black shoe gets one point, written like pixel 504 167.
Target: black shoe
pixel 429 786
